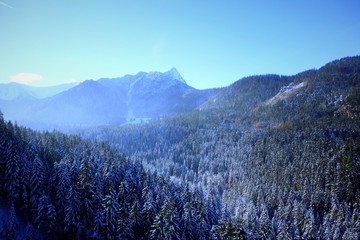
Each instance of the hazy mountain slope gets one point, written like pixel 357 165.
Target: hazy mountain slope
pixel 17 108
pixel 89 103
pixel 109 101
pixel 12 91
pixel 18 100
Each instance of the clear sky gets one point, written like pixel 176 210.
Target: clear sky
pixel 211 43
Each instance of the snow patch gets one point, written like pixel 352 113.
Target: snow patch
pixel 132 119
pixel 285 92
pixel 338 100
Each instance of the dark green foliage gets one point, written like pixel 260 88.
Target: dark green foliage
pixel 73 189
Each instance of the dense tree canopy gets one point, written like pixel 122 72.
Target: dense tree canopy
pixel 75 189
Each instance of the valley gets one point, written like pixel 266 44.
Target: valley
pixel 268 157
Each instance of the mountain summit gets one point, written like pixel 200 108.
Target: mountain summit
pixel 173 73
pixel 128 99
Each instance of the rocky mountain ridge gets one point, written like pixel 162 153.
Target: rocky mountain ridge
pixel 129 99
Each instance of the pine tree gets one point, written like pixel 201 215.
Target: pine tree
pixel 264 222
pixel 226 230
pixel 29 232
pixel 13 174
pixel 72 218
pixel 336 232
pixel 110 214
pixel 310 231
pixel 166 224
pixel 61 193
pixel 274 226
pixel 12 224
pixel 326 229
pixel 45 218
pixel 148 210
pixel 298 216
pixel 87 192
pixel 136 220
pixel 99 225
pixel 284 233
pixel 350 234
pixel 37 184
pixel 188 222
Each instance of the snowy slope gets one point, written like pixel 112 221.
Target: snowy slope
pixel 286 92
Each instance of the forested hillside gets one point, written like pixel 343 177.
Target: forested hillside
pixel 269 157
pixel 282 152
pixel 55 186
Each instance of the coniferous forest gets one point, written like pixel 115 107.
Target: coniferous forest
pixel 269 157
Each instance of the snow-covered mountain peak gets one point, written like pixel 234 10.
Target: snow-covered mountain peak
pixel 173 73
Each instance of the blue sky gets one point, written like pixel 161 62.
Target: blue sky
pixel 211 43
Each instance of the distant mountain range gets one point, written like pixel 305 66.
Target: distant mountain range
pixel 148 96
pixel 129 99
pixel 16 91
